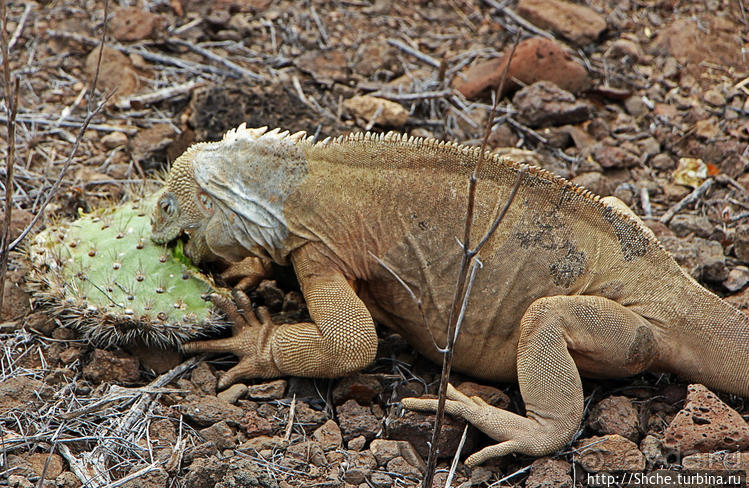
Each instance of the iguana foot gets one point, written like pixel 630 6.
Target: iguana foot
pixel 516 433
pixel 247 273
pixel 250 341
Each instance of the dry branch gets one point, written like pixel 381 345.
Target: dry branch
pixel 168 93
pixel 464 283
pixel 11 104
pixel 691 198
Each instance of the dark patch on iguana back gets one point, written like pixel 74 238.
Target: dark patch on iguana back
pixel 567 269
pixel 544 231
pixel 632 241
pixel 548 233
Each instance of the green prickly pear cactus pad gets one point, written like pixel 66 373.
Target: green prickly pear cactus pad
pixel 106 278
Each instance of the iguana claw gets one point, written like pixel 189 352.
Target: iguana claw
pixel 250 340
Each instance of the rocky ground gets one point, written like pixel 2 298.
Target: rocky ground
pixel 647 100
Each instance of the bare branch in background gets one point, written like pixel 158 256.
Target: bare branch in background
pixel 463 284
pixel 11 105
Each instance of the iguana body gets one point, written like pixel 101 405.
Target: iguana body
pixel 571 284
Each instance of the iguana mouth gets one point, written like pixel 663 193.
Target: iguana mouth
pixel 165 237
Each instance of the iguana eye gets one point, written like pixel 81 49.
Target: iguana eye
pixel 205 201
pixel 168 205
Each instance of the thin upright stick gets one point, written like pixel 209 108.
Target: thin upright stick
pixel 11 103
pixel 460 296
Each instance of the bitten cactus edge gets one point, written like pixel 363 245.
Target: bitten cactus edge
pixel 107 279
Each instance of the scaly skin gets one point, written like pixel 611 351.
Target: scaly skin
pixel 572 284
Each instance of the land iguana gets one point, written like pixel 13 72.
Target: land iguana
pixel 572 284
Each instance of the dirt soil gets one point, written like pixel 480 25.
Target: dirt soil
pixel 647 100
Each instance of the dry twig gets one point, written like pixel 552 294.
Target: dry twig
pixel 11 104
pixel 414 52
pixel 462 288
pixel 691 198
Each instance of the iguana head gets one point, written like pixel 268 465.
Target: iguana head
pixel 181 205
pixel 228 196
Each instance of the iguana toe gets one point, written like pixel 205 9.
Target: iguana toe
pixel 515 432
pixel 490 452
pixel 250 341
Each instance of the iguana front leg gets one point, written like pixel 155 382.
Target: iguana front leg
pixel 559 335
pixel 340 339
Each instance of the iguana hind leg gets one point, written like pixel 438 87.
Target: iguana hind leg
pixel 559 336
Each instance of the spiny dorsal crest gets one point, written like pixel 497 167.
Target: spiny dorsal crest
pixel 276 136
pixel 261 134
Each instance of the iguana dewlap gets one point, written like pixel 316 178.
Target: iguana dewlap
pixel 572 284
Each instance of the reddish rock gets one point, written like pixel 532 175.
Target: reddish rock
pixel 272 390
pixel 652 448
pixel 207 410
pixel 741 242
pixel 611 156
pixel 263 443
pixel 535 59
pixel 702 258
pixel 547 473
pixel 116 72
pixel 386 449
pixel 416 428
pixel 156 478
pixel 574 22
pixel 491 395
pixel 163 432
pixel 360 466
pixel 16 301
pixel 329 436
pixel 54 464
pixel 375 56
pixel 255 425
pixel 737 279
pixel 134 24
pixel 112 367
pixel 365 107
pixel 609 453
pixel 221 434
pixel 360 387
pixel 305 453
pixel 357 443
pixel 595 182
pixel 70 354
pixel 624 48
pixel 309 418
pixel 706 424
pixel 704 38
pixel 543 104
pixel 206 472
pixel 684 224
pixel 400 466
pixel 234 393
pixel 204 378
pixel 155 359
pixel 355 420
pixel 324 66
pixel 615 415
